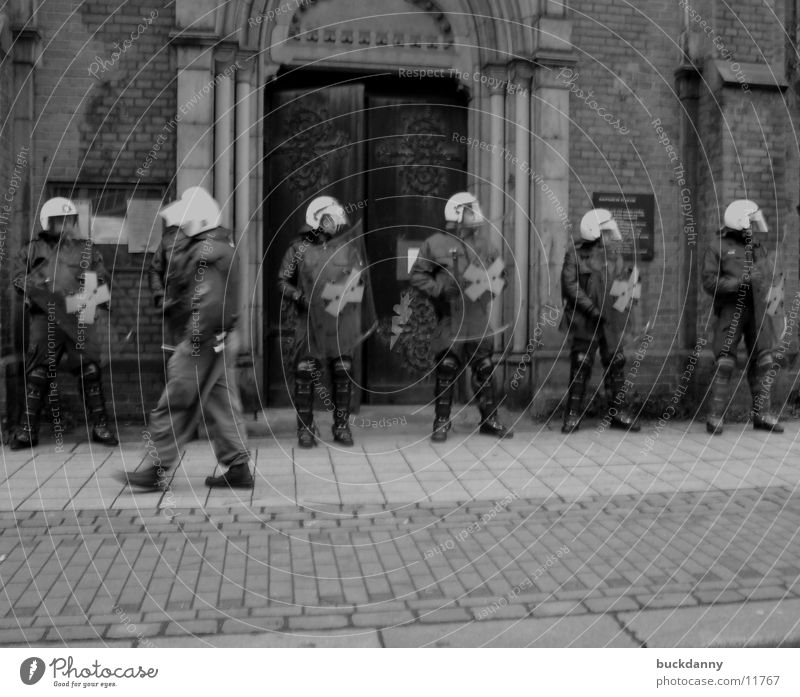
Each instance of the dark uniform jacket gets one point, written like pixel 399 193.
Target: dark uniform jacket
pixel 587 276
pixel 309 266
pixel 442 261
pixel 60 263
pixel 161 274
pixel 206 281
pixel 725 263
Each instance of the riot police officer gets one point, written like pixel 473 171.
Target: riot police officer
pixel 54 266
pixel 738 273
pixel 461 269
pixel 323 274
pixel 591 265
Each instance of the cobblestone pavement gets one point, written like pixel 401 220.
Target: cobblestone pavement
pixel 541 540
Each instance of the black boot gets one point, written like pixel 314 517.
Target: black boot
pixel 718 399
pixel 96 404
pixel 619 415
pixel 761 383
pixel 342 388
pixel 150 479
pixel 579 371
pixel 446 374
pixel 487 403
pixel 55 408
pixel 237 477
pixel 27 433
pixel 305 374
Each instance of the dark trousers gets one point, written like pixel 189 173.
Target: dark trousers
pixel 47 343
pixel 734 321
pixel 469 352
pixel 180 410
pixel 588 347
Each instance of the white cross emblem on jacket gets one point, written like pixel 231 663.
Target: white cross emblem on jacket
pixel 340 294
pixel 86 300
pixel 482 279
pixel 626 291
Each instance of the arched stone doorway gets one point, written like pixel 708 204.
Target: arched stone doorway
pixel 384 147
pixel 504 61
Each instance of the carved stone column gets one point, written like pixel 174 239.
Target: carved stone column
pixel 20 49
pixel 195 137
pixel 520 163
pixel 247 260
pixel 549 182
pixel 496 202
pixel 223 134
pixel 549 190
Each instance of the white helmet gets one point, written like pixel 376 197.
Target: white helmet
pixel 195 212
pixel 458 203
pixel 596 222
pixel 327 214
pixel 56 208
pixel 744 215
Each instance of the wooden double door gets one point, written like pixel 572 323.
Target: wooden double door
pixel 390 153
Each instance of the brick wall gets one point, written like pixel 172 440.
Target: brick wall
pixel 105 94
pixel 8 234
pixel 100 115
pixel 751 29
pixel 628 57
pixel 105 90
pixel 749 149
pixel 8 243
pixel 14 203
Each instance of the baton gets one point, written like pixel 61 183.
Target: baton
pixel 453 321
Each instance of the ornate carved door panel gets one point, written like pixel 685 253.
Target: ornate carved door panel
pixel 314 146
pixel 391 159
pixel 414 165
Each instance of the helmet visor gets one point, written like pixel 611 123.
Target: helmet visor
pixel 610 231
pixel 174 213
pixel 758 223
pixel 472 215
pixel 62 223
pixel 333 219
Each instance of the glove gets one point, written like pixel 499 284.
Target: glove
pixel 301 300
pixel 755 274
pixel 158 301
pixel 451 290
pixel 748 279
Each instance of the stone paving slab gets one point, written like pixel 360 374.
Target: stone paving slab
pixel 278 640
pixel 540 540
pixel 716 625
pixel 402 466
pixel 345 568
pixel 271 640
pixel 586 631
